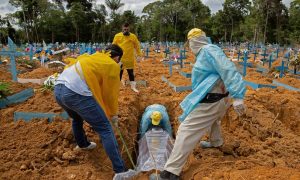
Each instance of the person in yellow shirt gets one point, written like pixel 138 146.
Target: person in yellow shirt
pixel 88 89
pixel 131 48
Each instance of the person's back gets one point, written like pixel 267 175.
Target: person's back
pixel 88 91
pixel 155 115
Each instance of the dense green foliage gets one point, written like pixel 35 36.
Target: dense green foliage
pixel 267 21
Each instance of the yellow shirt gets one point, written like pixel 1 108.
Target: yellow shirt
pixel 130 45
pixel 102 75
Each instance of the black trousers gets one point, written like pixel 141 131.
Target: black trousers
pixel 130 74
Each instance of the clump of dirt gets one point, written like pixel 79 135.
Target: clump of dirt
pixel 38 73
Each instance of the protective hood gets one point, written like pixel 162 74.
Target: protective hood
pixel 197 43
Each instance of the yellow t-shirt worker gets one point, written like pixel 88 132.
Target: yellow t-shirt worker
pixel 131 48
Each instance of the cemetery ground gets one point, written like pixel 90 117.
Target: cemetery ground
pixel 265 144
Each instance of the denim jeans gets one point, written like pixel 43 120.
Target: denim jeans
pixel 86 108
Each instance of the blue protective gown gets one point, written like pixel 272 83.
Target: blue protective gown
pixel 146 119
pixel 212 65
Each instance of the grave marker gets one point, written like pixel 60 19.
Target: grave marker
pixel 12 53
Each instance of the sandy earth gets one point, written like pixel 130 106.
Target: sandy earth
pixel 265 144
pixel 38 73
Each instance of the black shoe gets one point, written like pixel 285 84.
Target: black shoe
pixel 165 174
pixel 168 175
pixel 174 177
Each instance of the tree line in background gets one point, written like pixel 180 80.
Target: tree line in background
pixel 266 21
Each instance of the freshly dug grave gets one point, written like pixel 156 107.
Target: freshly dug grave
pixel 43 101
pixel 263 145
pixel 257 77
pixel 38 73
pixel 290 81
pixel 187 69
pixel 179 80
pixel 14 87
pixel 5 73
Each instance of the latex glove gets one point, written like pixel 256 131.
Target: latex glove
pixel 239 106
pixel 115 120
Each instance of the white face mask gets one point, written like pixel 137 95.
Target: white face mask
pixel 197 43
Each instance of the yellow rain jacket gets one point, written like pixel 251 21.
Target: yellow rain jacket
pixel 130 46
pixel 102 75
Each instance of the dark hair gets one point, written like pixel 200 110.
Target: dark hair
pixel 114 50
pixel 126 24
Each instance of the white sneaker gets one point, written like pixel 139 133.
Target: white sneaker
pixel 90 147
pixel 133 86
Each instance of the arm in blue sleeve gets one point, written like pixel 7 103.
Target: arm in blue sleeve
pixel 145 123
pixel 232 79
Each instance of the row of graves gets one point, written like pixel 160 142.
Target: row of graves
pixel 39 64
pixel 269 66
pixel 29 71
pixel 278 65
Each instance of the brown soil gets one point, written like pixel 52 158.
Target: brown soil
pixel 14 87
pixel 42 101
pixel 179 80
pixel 256 77
pixel 187 69
pixel 263 145
pixel 38 73
pixel 290 81
pixel 17 87
pixel 4 73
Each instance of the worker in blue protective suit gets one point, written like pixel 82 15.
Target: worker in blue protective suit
pixel 155 115
pixel 214 77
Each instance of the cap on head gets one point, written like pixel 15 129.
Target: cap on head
pixel 195 32
pixel 156 116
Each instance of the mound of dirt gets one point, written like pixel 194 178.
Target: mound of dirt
pixel 5 74
pixel 38 73
pixel 290 81
pixel 179 80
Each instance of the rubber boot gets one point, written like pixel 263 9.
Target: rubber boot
pixel 133 86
